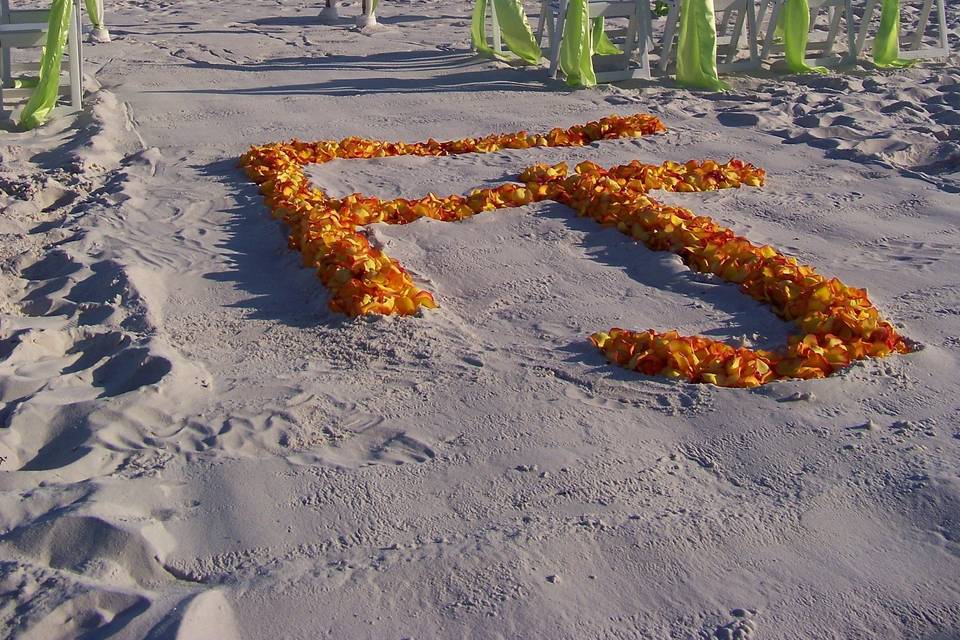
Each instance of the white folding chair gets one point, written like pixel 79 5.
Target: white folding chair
pixel 913 46
pixel 729 35
pixel 822 49
pixel 27 29
pixel 617 67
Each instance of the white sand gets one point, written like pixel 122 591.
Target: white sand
pixel 195 447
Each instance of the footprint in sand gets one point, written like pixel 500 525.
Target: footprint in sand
pixel 368 440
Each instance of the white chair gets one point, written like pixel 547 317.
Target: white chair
pixel 27 29
pixel 912 47
pixel 728 43
pixel 823 49
pixel 616 67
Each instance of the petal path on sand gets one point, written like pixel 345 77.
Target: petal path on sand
pixel 838 323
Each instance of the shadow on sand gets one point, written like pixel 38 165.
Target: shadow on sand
pixel 279 287
pixel 457 71
pixel 744 316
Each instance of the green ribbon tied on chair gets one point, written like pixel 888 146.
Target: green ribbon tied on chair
pixel 514 29
pixel 796 32
pixel 697 46
pixel 886 46
pixel 582 39
pixel 44 97
pixel 576 46
pixel 93 11
pixel 602 44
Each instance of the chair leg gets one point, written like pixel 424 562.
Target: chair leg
pixel 851 56
pixel 724 23
pixel 942 20
pixel 79 19
pixel 540 23
pixel 834 15
pixel 633 29
pixel 865 25
pixel 6 76
pixel 557 39
pixel 669 31
pixel 752 35
pixel 771 30
pixel 495 27
pixel 917 41
pixel 644 38
pixel 764 5
pixel 734 48
pixel 551 27
pixel 76 70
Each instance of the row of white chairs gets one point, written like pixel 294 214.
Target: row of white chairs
pixel 735 19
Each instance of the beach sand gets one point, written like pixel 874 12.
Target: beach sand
pixel 194 446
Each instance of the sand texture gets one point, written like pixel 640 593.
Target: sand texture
pixel 193 446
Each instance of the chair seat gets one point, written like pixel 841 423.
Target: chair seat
pixel 23 35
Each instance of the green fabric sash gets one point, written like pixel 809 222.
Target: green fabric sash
pixel 514 29
pixel 93 12
pixel 697 46
pixel 44 97
pixel 796 32
pixel 886 46
pixel 576 46
pixel 602 45
pixel 581 38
